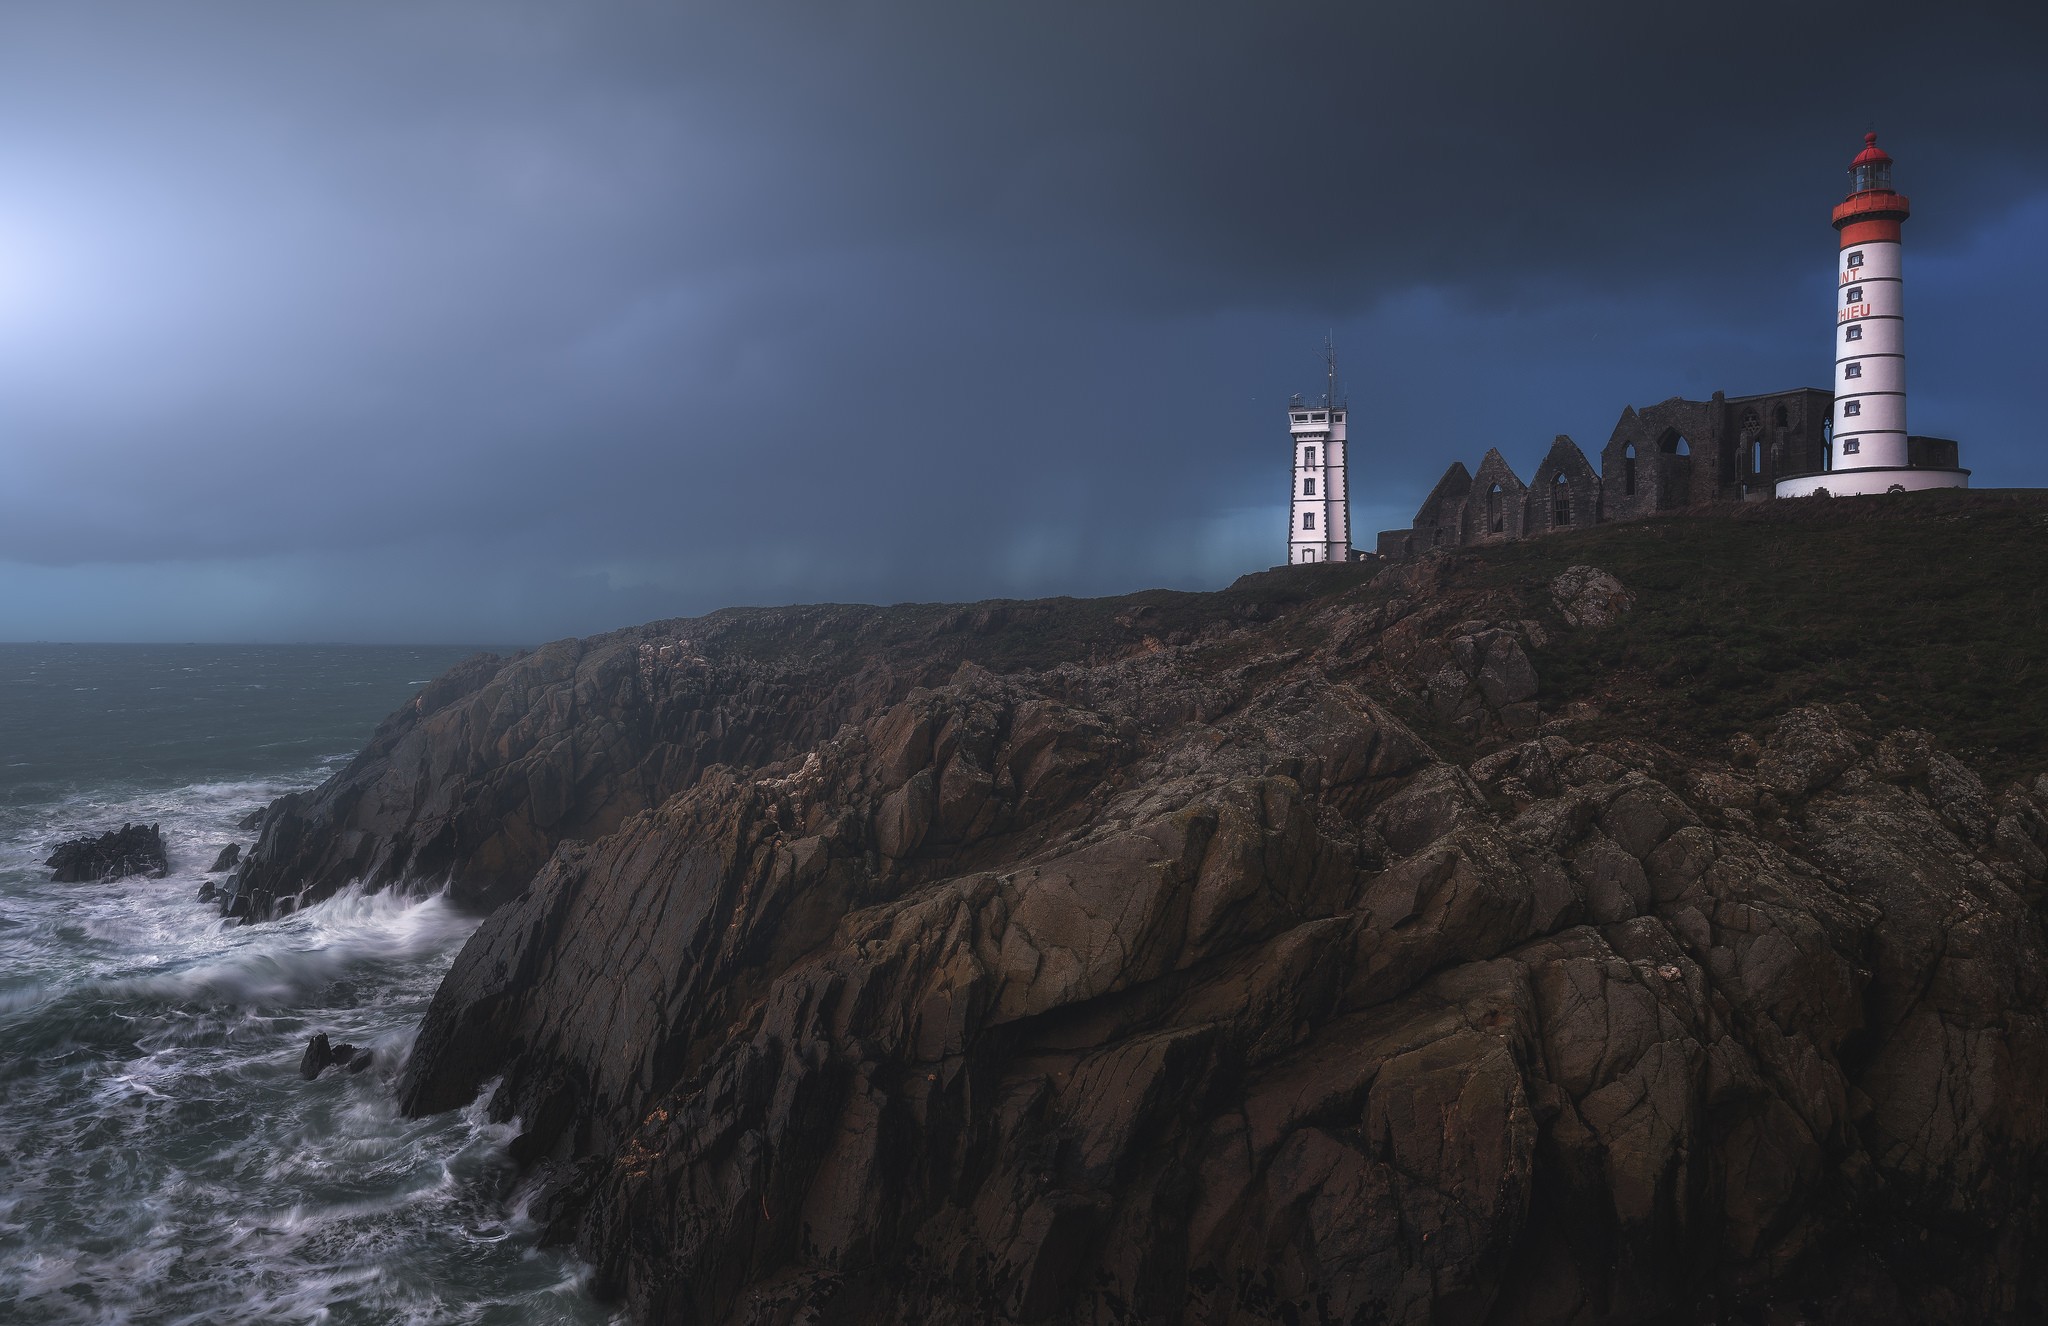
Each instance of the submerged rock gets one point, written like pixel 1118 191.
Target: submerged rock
pixel 133 849
pixel 320 1055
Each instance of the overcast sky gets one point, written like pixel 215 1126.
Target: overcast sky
pixel 503 321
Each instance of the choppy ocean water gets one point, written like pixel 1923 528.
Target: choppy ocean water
pixel 161 1160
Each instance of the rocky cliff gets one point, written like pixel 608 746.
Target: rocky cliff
pixel 474 783
pixel 1338 948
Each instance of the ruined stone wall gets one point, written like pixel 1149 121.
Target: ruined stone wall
pixel 1566 493
pixel 1664 457
pixel 1497 507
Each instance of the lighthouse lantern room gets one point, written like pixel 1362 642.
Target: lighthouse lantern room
pixel 1870 451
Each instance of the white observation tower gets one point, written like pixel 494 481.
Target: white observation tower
pixel 1319 515
pixel 1871 452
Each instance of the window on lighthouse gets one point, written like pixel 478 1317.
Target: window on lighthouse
pixel 1852 370
pixel 1854 295
pixel 1855 259
pixel 1308 520
pixel 1308 455
pixel 1850 409
pixel 1308 487
pixel 1854 332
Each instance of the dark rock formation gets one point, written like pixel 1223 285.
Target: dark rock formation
pixel 1503 938
pixel 476 781
pixel 492 765
pixel 1301 967
pixel 227 860
pixel 133 849
pixel 320 1055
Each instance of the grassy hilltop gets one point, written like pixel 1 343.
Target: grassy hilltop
pixel 1928 610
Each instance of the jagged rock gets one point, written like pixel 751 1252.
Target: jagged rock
pixel 1588 596
pixel 478 779
pixel 1808 751
pixel 1506 677
pixel 133 849
pixel 254 819
pixel 320 1055
pixel 229 856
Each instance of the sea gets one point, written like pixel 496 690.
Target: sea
pixel 161 1159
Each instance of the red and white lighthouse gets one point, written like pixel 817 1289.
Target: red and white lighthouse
pixel 1871 452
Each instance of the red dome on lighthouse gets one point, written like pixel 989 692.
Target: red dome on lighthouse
pixel 1871 155
pixel 1872 209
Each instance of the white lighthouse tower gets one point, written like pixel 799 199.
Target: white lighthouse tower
pixel 1319 515
pixel 1871 452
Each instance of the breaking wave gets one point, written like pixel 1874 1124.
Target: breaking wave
pixel 161 1160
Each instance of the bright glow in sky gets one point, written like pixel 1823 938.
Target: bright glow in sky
pixel 500 321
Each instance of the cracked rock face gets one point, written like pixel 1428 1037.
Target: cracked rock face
pixel 493 765
pixel 1588 596
pixel 1189 981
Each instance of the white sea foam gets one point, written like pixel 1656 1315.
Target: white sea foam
pixel 165 1162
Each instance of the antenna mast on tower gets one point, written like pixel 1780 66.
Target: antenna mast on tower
pixel 1330 364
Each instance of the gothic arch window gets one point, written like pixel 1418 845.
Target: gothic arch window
pixel 1752 447
pixel 1674 481
pixel 1438 541
pixel 1496 521
pixel 1628 470
pixel 1780 419
pixel 1561 501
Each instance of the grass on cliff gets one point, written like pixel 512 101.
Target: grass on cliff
pixel 1928 610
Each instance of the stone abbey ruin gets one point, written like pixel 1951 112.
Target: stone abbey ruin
pixel 1663 457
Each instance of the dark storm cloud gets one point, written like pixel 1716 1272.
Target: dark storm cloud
pixel 505 320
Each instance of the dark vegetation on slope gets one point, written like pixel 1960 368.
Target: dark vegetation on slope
pixel 1928 610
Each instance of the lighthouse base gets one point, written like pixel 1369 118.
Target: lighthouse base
pixel 1863 483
